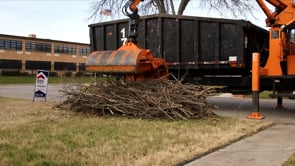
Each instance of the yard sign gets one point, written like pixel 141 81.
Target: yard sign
pixel 41 84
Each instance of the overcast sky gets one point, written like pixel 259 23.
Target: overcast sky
pixel 65 20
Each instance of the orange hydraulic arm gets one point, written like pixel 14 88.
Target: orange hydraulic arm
pixel 281 21
pixel 283 12
pixel 133 5
pixel 130 60
pixel 280 4
pixel 134 18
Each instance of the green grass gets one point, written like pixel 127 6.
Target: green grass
pixel 262 95
pixel 32 79
pixel 36 134
pixel 290 161
pixel 92 141
pixel 265 94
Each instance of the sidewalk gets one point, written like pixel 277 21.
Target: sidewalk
pixel 271 147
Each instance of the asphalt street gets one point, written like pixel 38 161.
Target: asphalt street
pixel 242 107
pixel 26 91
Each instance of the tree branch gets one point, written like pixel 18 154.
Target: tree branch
pixel 235 7
pixel 182 6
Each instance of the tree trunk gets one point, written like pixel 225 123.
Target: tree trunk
pixel 161 6
pixel 172 7
pixel 182 6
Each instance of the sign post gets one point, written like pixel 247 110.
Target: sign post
pixel 41 85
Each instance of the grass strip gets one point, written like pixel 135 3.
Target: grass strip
pixel 32 79
pixel 37 134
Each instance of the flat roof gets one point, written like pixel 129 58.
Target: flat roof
pixel 40 39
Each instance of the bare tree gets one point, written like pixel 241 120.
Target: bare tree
pixel 235 7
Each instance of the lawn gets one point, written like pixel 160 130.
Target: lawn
pixel 32 79
pixel 38 134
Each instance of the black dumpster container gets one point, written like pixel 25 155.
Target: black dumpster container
pixel 198 45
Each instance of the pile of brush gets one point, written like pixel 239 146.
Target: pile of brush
pixel 164 99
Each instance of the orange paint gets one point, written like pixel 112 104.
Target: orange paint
pixel 137 63
pixel 134 4
pixel 291 65
pixel 280 21
pixel 255 115
pixel 273 65
pixel 255 71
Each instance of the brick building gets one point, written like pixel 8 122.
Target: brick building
pixel 28 54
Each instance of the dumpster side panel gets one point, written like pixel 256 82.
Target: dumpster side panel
pixel 97 38
pixel 231 41
pixel 170 40
pixel 109 33
pixel 209 41
pixel 187 42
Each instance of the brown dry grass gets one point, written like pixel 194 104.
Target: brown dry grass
pixel 36 134
pixel 290 161
pixel 16 112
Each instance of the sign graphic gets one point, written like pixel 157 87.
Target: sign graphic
pixel 41 84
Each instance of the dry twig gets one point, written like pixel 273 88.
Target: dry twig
pixel 149 99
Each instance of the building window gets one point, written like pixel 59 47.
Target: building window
pixel 65 49
pixel 73 50
pixel 10 64
pixel 67 66
pixel 41 65
pixel 10 44
pixel 39 47
pixel 84 51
